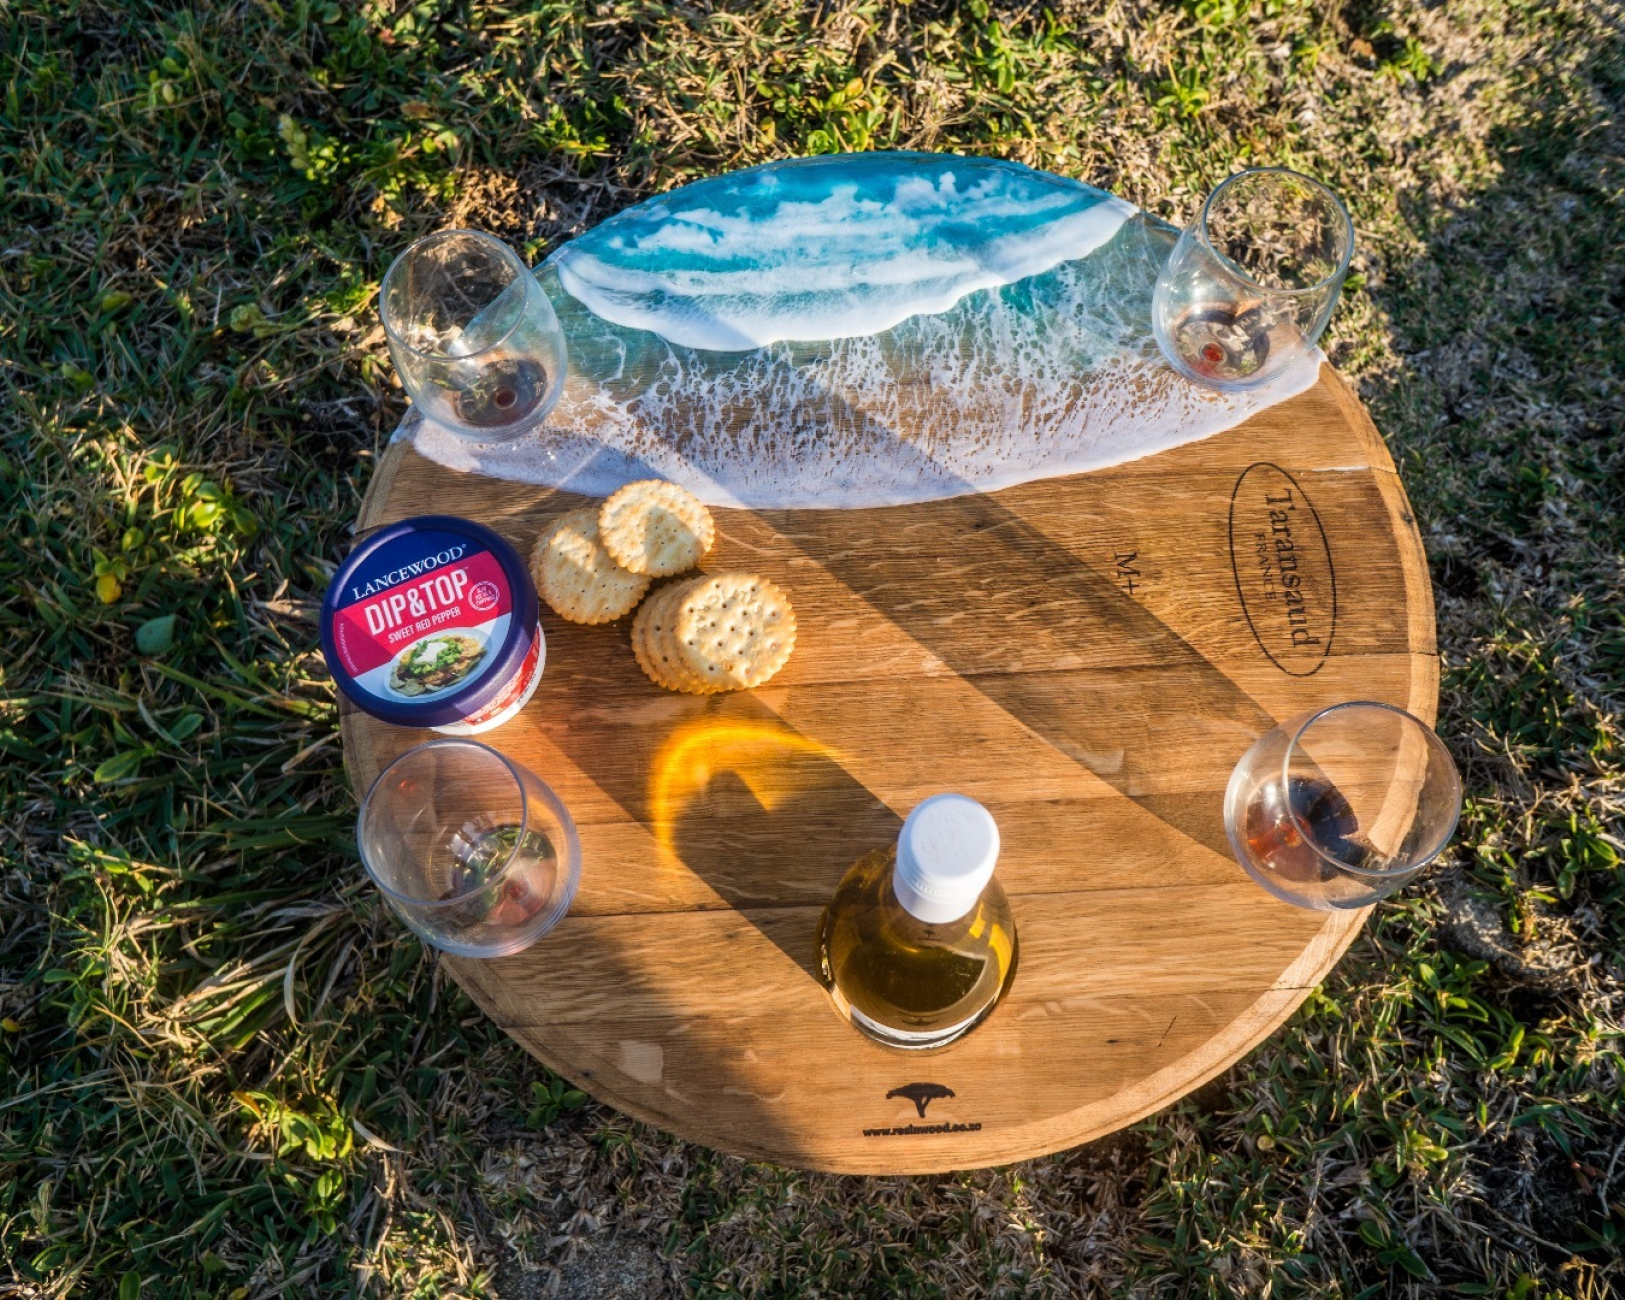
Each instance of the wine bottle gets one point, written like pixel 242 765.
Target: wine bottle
pixel 918 943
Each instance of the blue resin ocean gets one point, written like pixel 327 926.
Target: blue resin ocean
pixel 827 249
pixel 859 330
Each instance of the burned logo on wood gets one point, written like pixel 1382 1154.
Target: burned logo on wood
pixel 1283 567
pixel 921 1094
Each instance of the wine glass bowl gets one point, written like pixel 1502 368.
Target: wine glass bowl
pixel 1338 808
pixel 473 852
pixel 1250 284
pixel 474 338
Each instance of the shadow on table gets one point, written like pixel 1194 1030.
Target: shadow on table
pixel 770 818
pixel 995 596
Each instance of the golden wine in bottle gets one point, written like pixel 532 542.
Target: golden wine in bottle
pixel 918 943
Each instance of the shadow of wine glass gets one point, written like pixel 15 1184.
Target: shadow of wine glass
pixel 767 817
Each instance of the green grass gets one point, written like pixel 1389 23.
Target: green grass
pixel 225 1073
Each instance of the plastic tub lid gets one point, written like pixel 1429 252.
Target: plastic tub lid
pixel 428 621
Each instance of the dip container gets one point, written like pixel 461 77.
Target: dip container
pixel 434 622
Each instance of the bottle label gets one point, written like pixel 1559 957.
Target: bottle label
pixel 908 1038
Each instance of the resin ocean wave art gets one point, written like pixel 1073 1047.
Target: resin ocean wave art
pixel 829 248
pixel 859 330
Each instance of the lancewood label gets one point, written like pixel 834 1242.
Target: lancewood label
pixel 1283 566
pixel 432 622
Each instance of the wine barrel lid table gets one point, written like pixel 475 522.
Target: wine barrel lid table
pixel 1087 655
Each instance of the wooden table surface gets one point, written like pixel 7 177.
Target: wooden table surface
pixel 1088 656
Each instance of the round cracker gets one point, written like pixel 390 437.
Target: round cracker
pixel 648 615
pixel 652 617
pixel 656 527
pixel 655 649
pixel 661 644
pixel 577 577
pixel 640 652
pixel 735 629
pixel 668 654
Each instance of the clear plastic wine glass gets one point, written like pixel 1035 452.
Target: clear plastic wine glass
pixel 1248 289
pixel 473 851
pixel 1337 809
pixel 474 337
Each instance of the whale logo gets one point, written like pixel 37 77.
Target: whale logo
pixel 921 1094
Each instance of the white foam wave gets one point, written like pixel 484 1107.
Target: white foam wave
pixel 1054 375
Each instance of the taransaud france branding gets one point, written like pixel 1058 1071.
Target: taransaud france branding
pixel 1285 578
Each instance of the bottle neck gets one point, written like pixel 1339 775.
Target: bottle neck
pixel 924 907
pixel 945 857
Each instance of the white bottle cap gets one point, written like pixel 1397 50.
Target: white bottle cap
pixel 945 857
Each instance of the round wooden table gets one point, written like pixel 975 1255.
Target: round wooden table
pixel 1088 656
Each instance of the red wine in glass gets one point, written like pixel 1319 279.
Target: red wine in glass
pixel 1276 839
pixel 1335 809
pixel 474 337
pixel 507 391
